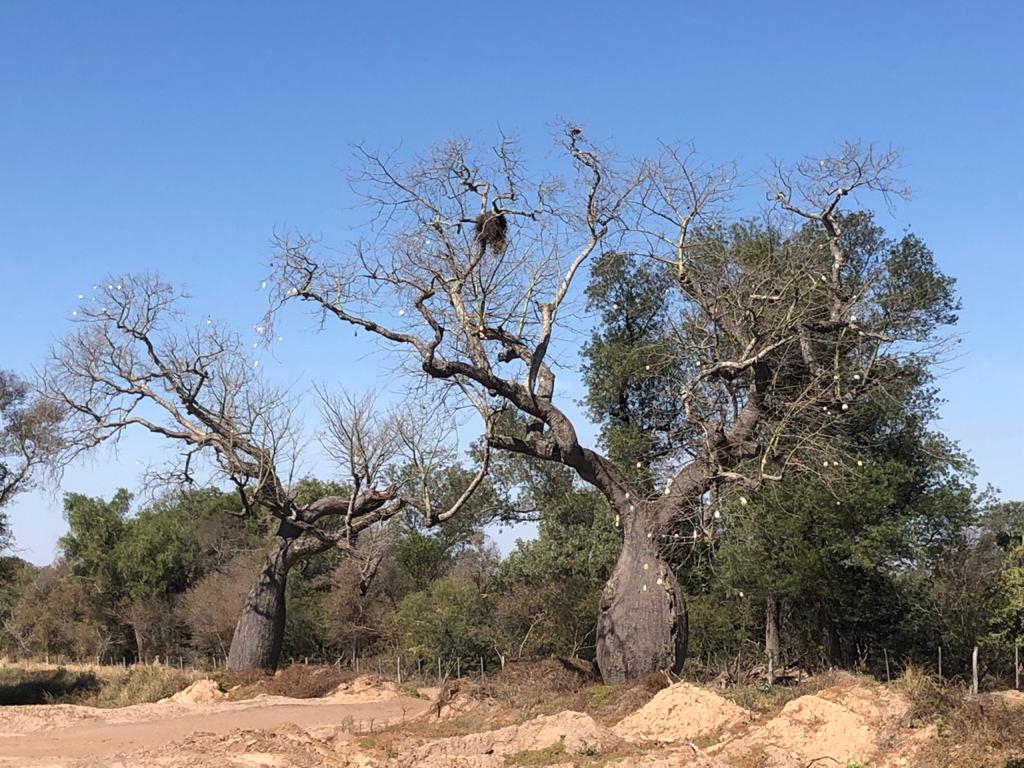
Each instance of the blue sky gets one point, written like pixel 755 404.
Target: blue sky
pixel 177 136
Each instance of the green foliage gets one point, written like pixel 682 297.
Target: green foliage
pixel 629 362
pixel 548 588
pixel 449 619
pixel 1007 618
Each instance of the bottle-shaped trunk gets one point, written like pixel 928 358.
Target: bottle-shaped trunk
pixel 641 627
pixel 259 634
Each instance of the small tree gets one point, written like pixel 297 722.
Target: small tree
pixel 132 364
pixel 28 438
pixel 471 269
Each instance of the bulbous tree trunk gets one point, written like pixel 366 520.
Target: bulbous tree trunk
pixel 641 627
pixel 259 634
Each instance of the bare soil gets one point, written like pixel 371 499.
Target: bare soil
pixel 363 723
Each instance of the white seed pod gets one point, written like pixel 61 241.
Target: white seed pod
pixel 645 588
pixel 846 406
pixel 646 566
pixel 743 501
pixel 860 463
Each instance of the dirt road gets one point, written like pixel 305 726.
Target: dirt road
pixel 66 736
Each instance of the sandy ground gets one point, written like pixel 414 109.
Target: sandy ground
pixel 363 725
pixel 78 736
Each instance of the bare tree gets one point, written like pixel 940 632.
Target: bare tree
pixel 133 363
pixel 780 326
pixel 28 438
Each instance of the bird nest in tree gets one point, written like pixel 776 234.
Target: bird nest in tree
pixel 491 229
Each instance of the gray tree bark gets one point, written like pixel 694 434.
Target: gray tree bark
pixel 259 634
pixel 642 624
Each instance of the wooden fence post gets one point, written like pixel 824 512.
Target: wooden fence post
pixel 940 661
pixel 974 671
pixel 1016 667
pixel 888 679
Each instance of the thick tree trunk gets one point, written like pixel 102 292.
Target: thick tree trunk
pixel 259 634
pixel 772 635
pixel 641 627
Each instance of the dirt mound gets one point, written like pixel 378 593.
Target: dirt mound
pixel 29 718
pixel 289 745
pixel 849 722
pixel 569 732
pixel 203 691
pixel 365 689
pixel 681 712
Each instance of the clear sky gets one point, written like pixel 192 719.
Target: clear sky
pixel 177 136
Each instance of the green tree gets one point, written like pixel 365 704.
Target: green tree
pixel 450 619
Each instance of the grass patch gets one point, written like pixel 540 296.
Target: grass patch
pixel 46 686
pixel 140 685
pixel 553 754
pixel 763 699
pixel 90 686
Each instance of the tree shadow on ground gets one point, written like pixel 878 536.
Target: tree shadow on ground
pixel 50 686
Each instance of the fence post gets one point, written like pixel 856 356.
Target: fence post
pixel 398 668
pixel 1016 667
pixel 974 671
pixel 438 670
pixel 940 661
pixel 458 667
pixel 888 679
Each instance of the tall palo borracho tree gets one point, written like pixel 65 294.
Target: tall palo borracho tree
pixel 134 363
pixel 472 268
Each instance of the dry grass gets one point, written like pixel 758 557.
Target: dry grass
pixel 89 685
pixel 297 681
pixel 766 701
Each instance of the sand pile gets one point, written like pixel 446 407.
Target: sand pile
pixel 365 689
pixel 842 723
pixel 681 712
pixel 288 746
pixel 203 691
pixel 29 718
pixel 572 732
